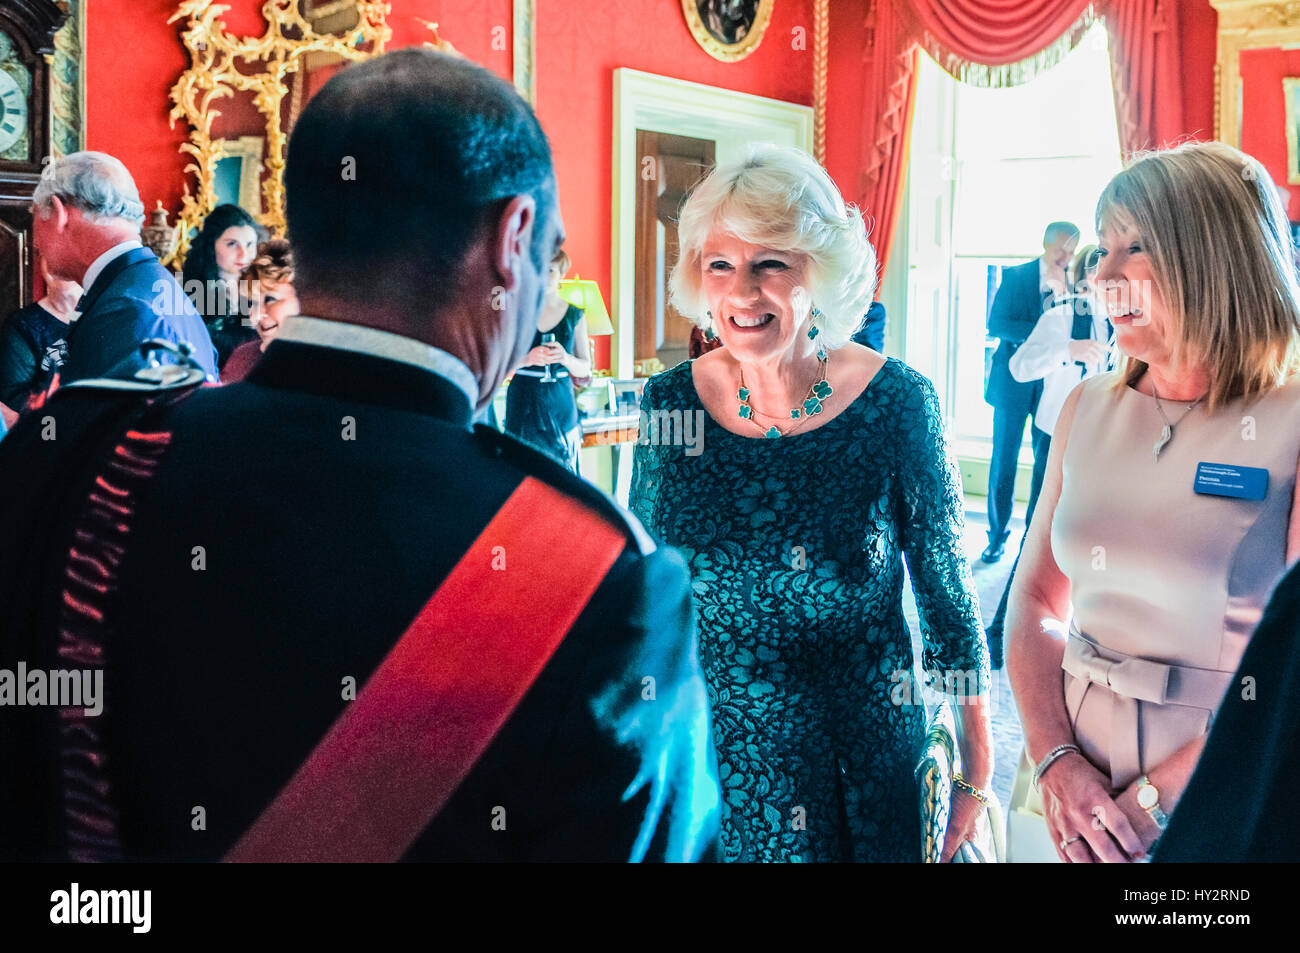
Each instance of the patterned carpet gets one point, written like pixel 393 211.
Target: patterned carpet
pixel 989 582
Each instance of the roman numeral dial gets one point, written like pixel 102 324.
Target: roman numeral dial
pixel 13 112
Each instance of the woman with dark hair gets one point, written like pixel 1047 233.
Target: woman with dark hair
pixel 220 253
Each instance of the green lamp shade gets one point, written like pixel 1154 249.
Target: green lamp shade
pixel 586 295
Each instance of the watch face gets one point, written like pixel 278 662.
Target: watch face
pixel 13 115
pixel 1148 796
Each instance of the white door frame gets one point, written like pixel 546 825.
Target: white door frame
pixel 661 104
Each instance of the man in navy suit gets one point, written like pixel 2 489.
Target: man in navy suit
pixel 258 548
pixel 86 222
pixel 1025 293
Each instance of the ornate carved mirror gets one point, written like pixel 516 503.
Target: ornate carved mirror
pixel 241 95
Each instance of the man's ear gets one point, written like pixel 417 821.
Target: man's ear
pixel 58 212
pixel 511 239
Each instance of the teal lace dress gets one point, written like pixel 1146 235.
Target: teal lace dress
pixel 796 550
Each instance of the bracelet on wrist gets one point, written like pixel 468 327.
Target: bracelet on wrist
pixel 978 794
pixel 1060 751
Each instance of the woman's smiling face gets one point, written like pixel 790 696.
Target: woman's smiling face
pixel 758 296
pixel 1126 283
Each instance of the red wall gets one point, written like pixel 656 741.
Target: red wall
pixel 578 47
pixel 1263 132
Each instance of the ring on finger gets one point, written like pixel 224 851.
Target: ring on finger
pixel 1067 841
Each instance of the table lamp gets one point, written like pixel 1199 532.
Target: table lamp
pixel 586 295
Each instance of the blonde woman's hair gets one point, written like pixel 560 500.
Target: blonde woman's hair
pixel 780 198
pixel 1217 237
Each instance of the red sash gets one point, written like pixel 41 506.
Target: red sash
pixel 398 752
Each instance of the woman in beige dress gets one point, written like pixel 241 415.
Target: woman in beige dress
pixel 1167 513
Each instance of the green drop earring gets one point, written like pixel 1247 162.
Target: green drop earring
pixel 814 329
pixel 710 335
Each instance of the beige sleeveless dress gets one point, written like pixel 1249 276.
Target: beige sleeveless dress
pixel 1167 585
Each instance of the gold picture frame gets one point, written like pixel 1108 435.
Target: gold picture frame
pixel 1291 94
pixel 222 64
pixel 1246 25
pixel 714 33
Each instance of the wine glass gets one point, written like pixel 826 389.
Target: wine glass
pixel 548 338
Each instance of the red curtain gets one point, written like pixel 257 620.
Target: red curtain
pixel 1146 69
pixel 993 32
pixel 1000 42
pixel 887 125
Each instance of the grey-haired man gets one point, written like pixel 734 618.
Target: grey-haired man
pixel 87 215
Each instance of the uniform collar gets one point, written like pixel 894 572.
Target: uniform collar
pixel 383 344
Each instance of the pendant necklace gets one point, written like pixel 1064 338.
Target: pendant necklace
pixel 1167 433
pixel 812 403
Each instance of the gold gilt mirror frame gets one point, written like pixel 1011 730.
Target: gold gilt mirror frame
pixel 215 57
pixel 1246 25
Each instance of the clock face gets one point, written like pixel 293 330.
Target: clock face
pixel 13 119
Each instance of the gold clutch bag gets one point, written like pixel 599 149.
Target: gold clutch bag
pixel 939 760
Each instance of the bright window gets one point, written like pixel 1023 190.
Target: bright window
pixel 990 168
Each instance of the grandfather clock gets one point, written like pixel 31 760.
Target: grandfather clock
pixel 27 29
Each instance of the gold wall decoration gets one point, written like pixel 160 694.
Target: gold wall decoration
pixel 821 52
pixel 728 30
pixel 222 64
pixel 1246 25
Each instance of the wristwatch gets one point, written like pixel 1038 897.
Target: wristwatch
pixel 1149 800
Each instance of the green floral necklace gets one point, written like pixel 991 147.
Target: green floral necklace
pixel 811 406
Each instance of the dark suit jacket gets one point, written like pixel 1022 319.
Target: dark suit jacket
pixel 1240 803
pixel 319 553
pixel 872 332
pixel 1017 306
pixel 133 299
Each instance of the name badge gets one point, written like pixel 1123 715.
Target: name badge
pixel 1223 479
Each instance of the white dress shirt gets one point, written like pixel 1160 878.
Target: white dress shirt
pixel 1046 354
pixel 99 264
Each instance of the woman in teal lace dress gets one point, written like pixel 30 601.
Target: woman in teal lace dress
pixel 794 470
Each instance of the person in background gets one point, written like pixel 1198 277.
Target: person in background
pixel 872 332
pixel 541 408
pixel 86 222
pixel 1169 511
pixel 220 253
pixel 823 465
pixel 1025 293
pixel 33 343
pixel 700 343
pixel 1070 343
pixel 269 282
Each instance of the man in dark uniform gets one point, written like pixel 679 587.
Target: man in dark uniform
pixel 241 561
pixel 1025 292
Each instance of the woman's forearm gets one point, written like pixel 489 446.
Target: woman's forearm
pixel 975 738
pixel 1035 650
pixel 576 366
